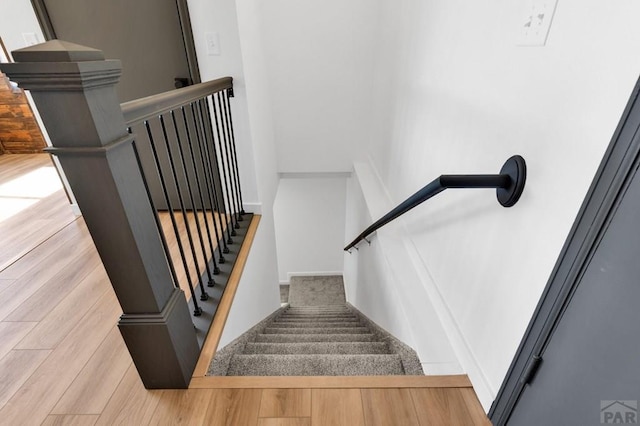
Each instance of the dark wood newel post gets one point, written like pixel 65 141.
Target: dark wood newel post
pixel 74 89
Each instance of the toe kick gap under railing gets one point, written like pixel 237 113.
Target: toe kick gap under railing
pixel 509 184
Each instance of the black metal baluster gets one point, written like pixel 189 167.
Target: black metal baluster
pixel 224 173
pixel 216 270
pixel 210 184
pixel 194 209
pixel 225 132
pixel 203 293
pixel 234 151
pixel 197 311
pixel 216 179
pixel 156 217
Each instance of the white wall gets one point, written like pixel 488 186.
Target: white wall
pixel 456 95
pixel 241 57
pixel 320 55
pixel 17 17
pixel 219 16
pixel 309 214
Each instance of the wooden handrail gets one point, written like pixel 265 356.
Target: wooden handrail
pixel 141 109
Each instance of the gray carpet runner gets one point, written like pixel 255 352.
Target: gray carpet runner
pixel 319 334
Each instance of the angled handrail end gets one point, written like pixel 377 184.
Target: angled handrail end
pixel 509 184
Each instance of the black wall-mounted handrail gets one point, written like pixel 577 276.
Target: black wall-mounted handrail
pixel 509 185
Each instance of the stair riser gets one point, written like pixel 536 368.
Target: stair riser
pixel 310 320
pixel 316 330
pixel 293 338
pixel 315 365
pixel 317 316
pixel 317 348
pixel 315 324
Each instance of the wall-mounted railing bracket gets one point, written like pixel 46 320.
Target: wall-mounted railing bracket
pixel 516 168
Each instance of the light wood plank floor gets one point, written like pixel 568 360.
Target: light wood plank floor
pixel 217 224
pixel 63 361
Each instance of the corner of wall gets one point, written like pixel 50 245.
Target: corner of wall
pixel 389 282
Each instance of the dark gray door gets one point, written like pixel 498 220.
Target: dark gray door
pixel 591 366
pixel 579 361
pixel 146 35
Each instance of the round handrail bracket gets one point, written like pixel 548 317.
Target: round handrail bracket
pixel 516 168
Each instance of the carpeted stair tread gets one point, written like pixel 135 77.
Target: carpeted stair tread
pixel 316 330
pixel 309 320
pixel 317 348
pixel 315 324
pixel 317 319
pixel 308 337
pixel 320 315
pixel 315 365
pixel 334 307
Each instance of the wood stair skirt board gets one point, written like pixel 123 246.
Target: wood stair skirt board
pixel 222 311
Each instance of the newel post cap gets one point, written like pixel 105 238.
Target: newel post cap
pixel 58 65
pixel 57 51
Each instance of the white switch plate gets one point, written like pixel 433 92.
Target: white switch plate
pixel 213 44
pixel 536 21
pixel 30 39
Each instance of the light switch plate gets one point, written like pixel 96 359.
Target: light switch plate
pixel 536 21
pixel 213 44
pixel 30 39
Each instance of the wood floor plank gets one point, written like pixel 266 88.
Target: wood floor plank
pixel 285 421
pixel 53 328
pixel 11 333
pixel 54 269
pixel 337 407
pixel 70 420
pixel 388 406
pixel 473 405
pixel 35 399
pixel 182 407
pixel 16 165
pixel 443 407
pixel 19 240
pixel 231 407
pixel 5 283
pixel 17 367
pixel 336 382
pixel 106 368
pixel 47 252
pixel 131 403
pixel 285 403
pixel 219 223
pixel 36 307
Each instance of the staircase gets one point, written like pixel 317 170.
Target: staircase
pixel 328 339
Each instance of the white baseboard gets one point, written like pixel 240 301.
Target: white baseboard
pixel 441 368
pixel 255 208
pixel 465 356
pixel 76 209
